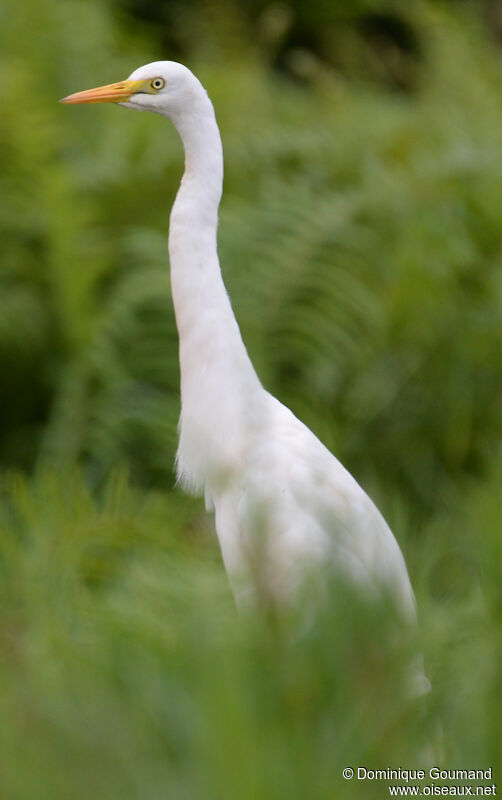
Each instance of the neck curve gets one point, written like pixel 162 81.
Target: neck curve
pixel 218 382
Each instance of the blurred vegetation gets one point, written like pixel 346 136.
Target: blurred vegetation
pixel 360 240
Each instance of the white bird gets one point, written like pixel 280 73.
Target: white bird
pixel 265 474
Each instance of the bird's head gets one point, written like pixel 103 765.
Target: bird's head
pixel 165 87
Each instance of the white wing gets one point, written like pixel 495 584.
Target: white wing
pixel 295 508
pixel 295 504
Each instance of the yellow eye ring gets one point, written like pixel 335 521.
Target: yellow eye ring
pixel 157 84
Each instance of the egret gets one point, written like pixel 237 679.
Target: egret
pixel 259 467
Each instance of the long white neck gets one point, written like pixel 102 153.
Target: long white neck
pixel 219 386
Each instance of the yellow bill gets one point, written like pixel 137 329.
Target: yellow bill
pixel 112 93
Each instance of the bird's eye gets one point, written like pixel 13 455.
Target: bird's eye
pixel 157 84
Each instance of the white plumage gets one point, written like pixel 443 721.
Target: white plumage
pixel 263 472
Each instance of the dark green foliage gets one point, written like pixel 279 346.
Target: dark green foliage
pixel 360 240
pixel 362 255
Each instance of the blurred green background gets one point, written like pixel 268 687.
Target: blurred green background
pixel 361 243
